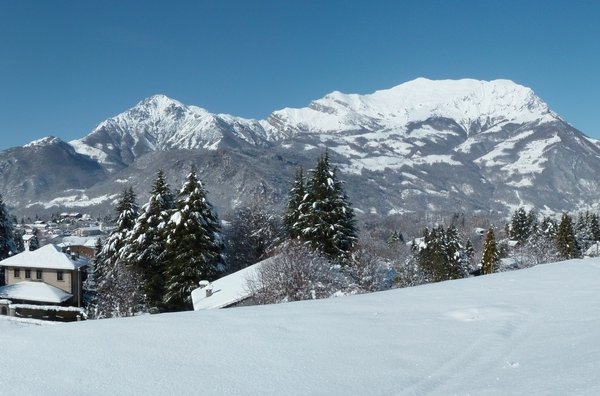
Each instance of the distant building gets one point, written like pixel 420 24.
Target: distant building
pixel 80 245
pixel 88 231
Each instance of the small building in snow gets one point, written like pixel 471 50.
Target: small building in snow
pixel 228 291
pixel 79 245
pixel 44 276
pixel 88 231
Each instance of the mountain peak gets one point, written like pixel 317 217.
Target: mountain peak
pixel 159 99
pixel 468 101
pixel 45 141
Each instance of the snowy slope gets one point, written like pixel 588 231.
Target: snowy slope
pixel 469 102
pixel 530 332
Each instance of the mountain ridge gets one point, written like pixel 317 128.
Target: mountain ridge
pixel 421 145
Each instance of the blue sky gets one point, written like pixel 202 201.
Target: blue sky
pixel 65 66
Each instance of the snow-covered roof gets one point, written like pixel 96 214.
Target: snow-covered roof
pixel 48 256
pixel 593 250
pixel 34 291
pixel 226 291
pixel 73 240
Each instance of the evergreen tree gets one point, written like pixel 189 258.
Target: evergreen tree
pixel 566 243
pixel 470 251
pixel 595 227
pixel 193 245
pixel 34 242
pixel 583 231
pixel 548 228
pixel 441 256
pixel 8 246
pixel 490 259
pixel 520 226
pixel 90 286
pixel 396 237
pixel 295 207
pixel 19 244
pixel 456 257
pixel 118 287
pixel 146 242
pixel 328 223
pixel 532 221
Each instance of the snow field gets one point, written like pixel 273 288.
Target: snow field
pixel 527 332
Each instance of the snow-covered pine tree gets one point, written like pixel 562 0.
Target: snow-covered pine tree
pixel 90 286
pixel 118 287
pixel 595 227
pixel 470 251
pixel 456 257
pixel 295 206
pixel 396 237
pixel 19 244
pixel 548 228
pixel 583 231
pixel 490 259
pixel 8 246
pixel 532 221
pixel 328 223
pixel 193 245
pixel 34 242
pixel 431 256
pixel 566 243
pixel 440 255
pixel 146 242
pixel 520 226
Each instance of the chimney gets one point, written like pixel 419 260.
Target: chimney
pixel 204 284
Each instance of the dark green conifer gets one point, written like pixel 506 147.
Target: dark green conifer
pixel 327 221
pixel 295 206
pixel 146 242
pixel 566 243
pixel 193 245
pixel 490 259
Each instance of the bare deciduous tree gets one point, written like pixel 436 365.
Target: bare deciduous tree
pixel 296 273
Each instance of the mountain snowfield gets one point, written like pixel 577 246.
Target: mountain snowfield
pixel 527 332
pixel 160 123
pixel 449 145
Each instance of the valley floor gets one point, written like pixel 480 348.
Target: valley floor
pixel 527 332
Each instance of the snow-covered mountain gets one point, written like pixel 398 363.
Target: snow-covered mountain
pixel 473 105
pixel 44 167
pixel 422 145
pixel 159 123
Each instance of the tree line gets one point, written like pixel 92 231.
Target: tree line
pixel 157 254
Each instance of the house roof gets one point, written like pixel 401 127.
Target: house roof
pixel 48 256
pixel 34 291
pixel 73 240
pixel 227 290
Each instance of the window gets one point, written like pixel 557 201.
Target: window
pixel 17 273
pixel 59 275
pixel 27 273
pixel 38 274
